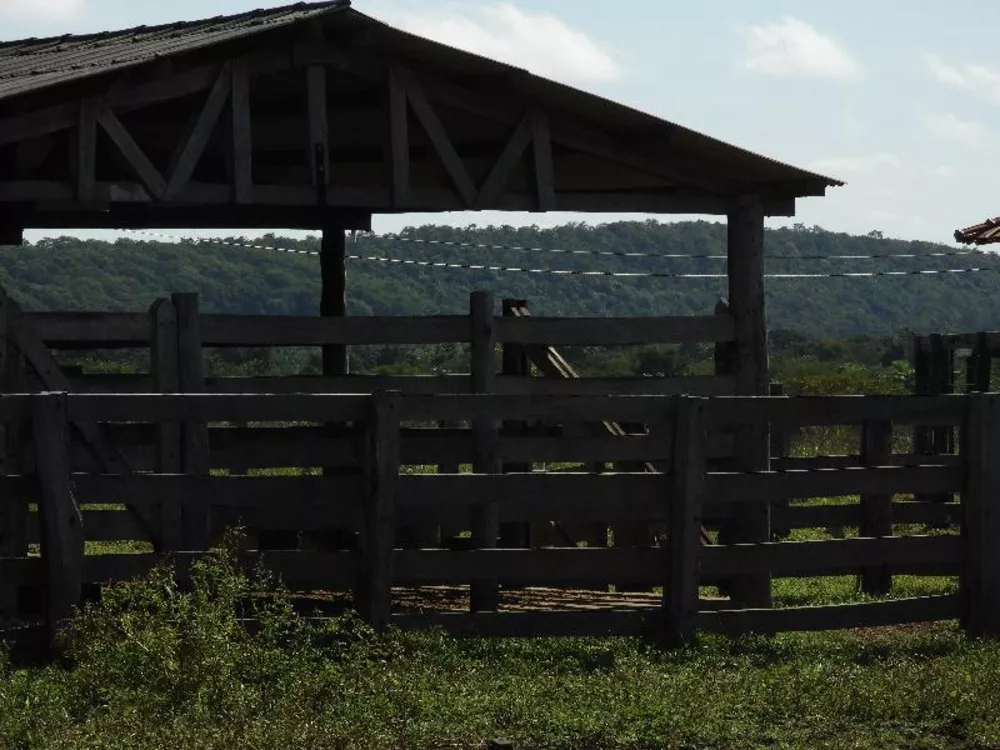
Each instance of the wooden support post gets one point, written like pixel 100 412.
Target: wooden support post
pixel 486 516
pixel 683 552
pixel 746 305
pixel 373 595
pixel 169 450
pixel 780 446
pixel 984 364
pixel 876 510
pixel 333 302
pixel 980 582
pixel 13 511
pixel 514 364
pixel 62 538
pixel 242 141
pixel 194 436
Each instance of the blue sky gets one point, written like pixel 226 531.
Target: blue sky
pixel 901 99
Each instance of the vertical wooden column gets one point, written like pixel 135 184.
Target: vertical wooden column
pixel 62 538
pixel 194 436
pixel 333 299
pixel 373 592
pixel 514 364
pixel 876 510
pixel 980 582
pixel 13 510
pixel 984 364
pixel 746 305
pixel 683 552
pixel 166 379
pixel 485 516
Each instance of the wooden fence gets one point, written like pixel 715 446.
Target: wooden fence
pixel 181 506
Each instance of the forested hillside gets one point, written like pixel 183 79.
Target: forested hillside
pixel 128 274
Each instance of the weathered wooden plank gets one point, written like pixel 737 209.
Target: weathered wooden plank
pixel 216 407
pixel 831 617
pixel 505 164
pixel 68 330
pixel 102 526
pixel 319 128
pixel 439 138
pixel 536 497
pixel 294 330
pixel 399 139
pixel 86 150
pixel 375 567
pixel 845 462
pixel 454 407
pixel 876 509
pixel 545 187
pixel 62 542
pixel 14 413
pixel 790 558
pixel 808 411
pixel 615 331
pixel 484 595
pixel 166 379
pixel 22 571
pixel 144 169
pixel 193 146
pixel 333 293
pixel 653 386
pixel 981 523
pixel 347 384
pixel 242 138
pixel 536 567
pixel 724 487
pixel 680 589
pixel 599 623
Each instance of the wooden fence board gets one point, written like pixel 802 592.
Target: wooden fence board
pixel 693 385
pixel 598 623
pixel 217 408
pixel 832 617
pixel 806 411
pixel 846 555
pixel 645 409
pixel 289 330
pixel 766 486
pixel 615 331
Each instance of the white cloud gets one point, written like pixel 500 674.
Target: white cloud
pixel 794 49
pixel 979 79
pixel 841 164
pixel 944 172
pixel 965 132
pixel 45 10
pixel 540 42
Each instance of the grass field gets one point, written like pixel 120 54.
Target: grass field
pixel 152 666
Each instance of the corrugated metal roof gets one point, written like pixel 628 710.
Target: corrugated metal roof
pixel 986 233
pixel 32 64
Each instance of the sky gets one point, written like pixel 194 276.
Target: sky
pixel 899 98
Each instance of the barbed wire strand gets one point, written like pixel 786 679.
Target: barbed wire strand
pixel 562 272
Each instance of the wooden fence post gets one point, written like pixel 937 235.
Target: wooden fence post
pixel 62 538
pixel 373 594
pixel 514 364
pixel 13 511
pixel 166 379
pixel 984 364
pixel 876 510
pixel 194 436
pixel 484 594
pixel 981 517
pixel 687 481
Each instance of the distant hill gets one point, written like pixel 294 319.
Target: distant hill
pixel 67 273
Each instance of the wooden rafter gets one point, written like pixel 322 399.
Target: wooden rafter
pixel 192 146
pixel 439 138
pixel 500 174
pixel 144 169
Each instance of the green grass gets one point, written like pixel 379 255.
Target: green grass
pixel 153 666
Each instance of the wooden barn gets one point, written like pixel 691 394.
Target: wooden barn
pixel 316 116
